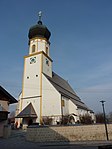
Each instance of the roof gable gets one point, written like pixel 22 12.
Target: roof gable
pixel 4 95
pixel 63 87
pixel 28 111
pixel 60 82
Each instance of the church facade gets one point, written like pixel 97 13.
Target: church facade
pixel 44 93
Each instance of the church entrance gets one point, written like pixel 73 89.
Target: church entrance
pixel 30 122
pixel 72 118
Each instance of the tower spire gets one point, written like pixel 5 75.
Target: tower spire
pixel 40 17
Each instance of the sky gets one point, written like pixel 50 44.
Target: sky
pixel 81 45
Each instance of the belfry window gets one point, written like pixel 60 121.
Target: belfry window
pixel 33 48
pixel 47 50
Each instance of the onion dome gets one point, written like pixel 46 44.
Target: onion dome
pixel 39 30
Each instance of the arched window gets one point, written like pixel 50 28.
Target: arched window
pixel 47 50
pixel 33 48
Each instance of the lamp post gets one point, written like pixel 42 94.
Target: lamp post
pixel 102 101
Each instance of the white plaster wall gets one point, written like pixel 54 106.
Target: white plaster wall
pixel 65 108
pixel 47 69
pixel 82 111
pixel 31 85
pixel 51 99
pixel 42 45
pixel 72 108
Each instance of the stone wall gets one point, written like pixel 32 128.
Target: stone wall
pixel 68 133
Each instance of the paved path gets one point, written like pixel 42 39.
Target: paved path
pixel 17 141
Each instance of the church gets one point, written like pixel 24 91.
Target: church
pixel 45 95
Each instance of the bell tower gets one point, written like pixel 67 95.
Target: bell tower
pixel 36 63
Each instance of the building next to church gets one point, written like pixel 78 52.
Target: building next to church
pixel 44 93
pixel 5 100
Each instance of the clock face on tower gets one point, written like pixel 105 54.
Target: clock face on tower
pixel 32 60
pixel 47 66
pixel 47 62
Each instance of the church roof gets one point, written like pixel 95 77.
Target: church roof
pixel 66 90
pixel 4 95
pixel 28 111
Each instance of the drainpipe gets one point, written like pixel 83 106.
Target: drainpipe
pixel 61 109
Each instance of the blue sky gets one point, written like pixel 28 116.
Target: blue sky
pixel 81 44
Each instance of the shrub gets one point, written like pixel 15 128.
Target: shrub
pixel 65 120
pixel 47 120
pixel 85 119
pixel 99 118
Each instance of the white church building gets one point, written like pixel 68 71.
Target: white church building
pixel 44 93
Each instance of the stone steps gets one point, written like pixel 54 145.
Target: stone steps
pixel 17 133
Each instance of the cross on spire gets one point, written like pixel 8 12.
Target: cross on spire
pixel 40 15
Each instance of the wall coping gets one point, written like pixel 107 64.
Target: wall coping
pixel 74 125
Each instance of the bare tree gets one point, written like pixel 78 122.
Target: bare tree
pixel 86 119
pixel 47 120
pixel 110 117
pixel 99 117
